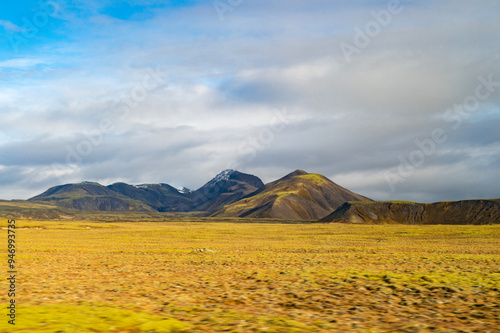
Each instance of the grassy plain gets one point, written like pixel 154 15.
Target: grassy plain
pixel 88 276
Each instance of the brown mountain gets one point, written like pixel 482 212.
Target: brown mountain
pixel 299 195
pixel 455 212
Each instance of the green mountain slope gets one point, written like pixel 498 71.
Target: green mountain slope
pixel 89 196
pixel 299 195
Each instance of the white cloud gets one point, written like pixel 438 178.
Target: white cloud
pixel 20 63
pixel 9 26
pixel 224 80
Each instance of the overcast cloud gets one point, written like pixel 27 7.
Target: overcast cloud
pixel 176 91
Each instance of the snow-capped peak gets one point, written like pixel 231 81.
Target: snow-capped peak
pixel 224 175
pixel 183 190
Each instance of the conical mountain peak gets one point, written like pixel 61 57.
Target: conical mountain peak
pixel 297 172
pixel 298 195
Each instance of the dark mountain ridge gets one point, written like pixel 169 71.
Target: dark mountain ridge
pixel 446 212
pixel 89 196
pixel 161 197
pixel 225 188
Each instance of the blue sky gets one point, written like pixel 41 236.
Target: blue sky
pixel 176 91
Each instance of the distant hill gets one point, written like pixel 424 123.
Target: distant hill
pixel 299 195
pixel 24 209
pixel 227 187
pixel 455 212
pixel 89 196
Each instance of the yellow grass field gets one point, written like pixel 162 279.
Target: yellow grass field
pixel 82 276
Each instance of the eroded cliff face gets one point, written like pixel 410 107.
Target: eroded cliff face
pixel 456 212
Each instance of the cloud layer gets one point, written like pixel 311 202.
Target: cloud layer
pixel 147 92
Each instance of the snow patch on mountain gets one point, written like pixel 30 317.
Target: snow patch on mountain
pixel 184 190
pixel 224 175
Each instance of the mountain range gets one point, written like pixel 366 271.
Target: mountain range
pixel 233 194
pixel 298 196
pixel 227 187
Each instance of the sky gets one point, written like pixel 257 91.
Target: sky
pixel 395 100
